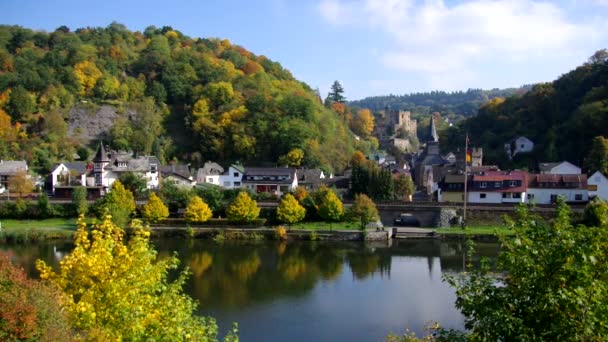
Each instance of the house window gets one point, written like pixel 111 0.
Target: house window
pixel 578 197
pixel 512 184
pixel 522 146
pixel 497 184
pixel 482 195
pixel 530 196
pixel 483 185
pixel 227 183
pixel 504 195
pixel 237 183
pixel 553 198
pixel 153 168
pixel 236 174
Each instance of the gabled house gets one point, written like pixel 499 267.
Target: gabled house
pixel 233 178
pixel 598 185
pixel 517 145
pixel 310 179
pixel 179 174
pixel 9 168
pixel 209 173
pixel 561 168
pixel 546 188
pixel 276 181
pixel 107 168
pixel 498 187
pixel 65 176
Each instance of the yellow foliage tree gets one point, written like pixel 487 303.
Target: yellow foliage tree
pixel 243 209
pixel 21 183
pixel 155 210
pixel 289 210
pixel 119 203
pixel 197 211
pixel 118 290
pixel 292 158
pixel 87 74
pixel 363 122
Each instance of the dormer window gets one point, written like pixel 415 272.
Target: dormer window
pixel 512 184
pixel 122 164
pixel 153 168
pixel 483 185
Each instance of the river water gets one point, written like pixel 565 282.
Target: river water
pixel 312 291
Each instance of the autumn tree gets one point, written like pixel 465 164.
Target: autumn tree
pixel 243 208
pixel 30 310
pixel 363 123
pixel 87 74
pixel 597 159
pixel 134 182
pixel 119 290
pixel 358 159
pixel 293 158
pixel 21 183
pixel 289 210
pixel 155 210
pixel 197 211
pixel 330 207
pixel 363 210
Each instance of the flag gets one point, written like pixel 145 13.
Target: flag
pixel 469 155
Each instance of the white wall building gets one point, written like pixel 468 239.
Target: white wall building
pixel 233 178
pixel 598 186
pixel 561 168
pixel 518 145
pixel 546 188
pixel 69 174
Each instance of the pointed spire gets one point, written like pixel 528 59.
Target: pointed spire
pixel 101 155
pixel 433 131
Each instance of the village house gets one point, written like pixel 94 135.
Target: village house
pixel 8 169
pixel 560 168
pixel 597 185
pixel 310 179
pixel 108 167
pixel 67 175
pixel 546 188
pixel 179 174
pixel 498 187
pixel 276 181
pixel 517 145
pixel 209 173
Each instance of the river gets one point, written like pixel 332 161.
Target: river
pixel 311 291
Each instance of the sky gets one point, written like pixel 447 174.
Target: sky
pixel 372 47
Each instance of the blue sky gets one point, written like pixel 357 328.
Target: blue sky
pixel 373 47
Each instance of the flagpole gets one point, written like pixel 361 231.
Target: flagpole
pixel 466 162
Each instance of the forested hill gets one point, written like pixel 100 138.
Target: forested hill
pixel 464 103
pixel 168 94
pixel 561 118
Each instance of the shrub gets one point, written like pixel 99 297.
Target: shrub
pixel 155 210
pixel 197 211
pixel 243 209
pixel 280 233
pixel 289 210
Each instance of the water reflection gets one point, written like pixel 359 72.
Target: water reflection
pixel 306 291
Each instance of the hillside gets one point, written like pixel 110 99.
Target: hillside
pixel 463 103
pixel 157 92
pixel 561 118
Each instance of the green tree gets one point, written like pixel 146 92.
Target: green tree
pixel 336 93
pixel 118 290
pixel 79 200
pixel 403 186
pixel 197 211
pixel 330 207
pixel 289 210
pixel 155 210
pixel 554 288
pixel 363 210
pixel 243 208
pixel 134 182
pixel 44 206
pixel 20 103
pixel 597 159
pixel 596 213
pixel 119 203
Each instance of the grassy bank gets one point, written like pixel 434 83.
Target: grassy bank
pixel 476 230
pixel 24 231
pixel 325 226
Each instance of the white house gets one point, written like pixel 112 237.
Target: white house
pixel 108 168
pixel 561 168
pixel 518 145
pixel 233 178
pixel 498 187
pixel 9 168
pixel 209 173
pixel 68 175
pixel 179 174
pixel 546 188
pixel 598 185
pixel 277 181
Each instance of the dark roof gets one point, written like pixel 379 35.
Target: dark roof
pixel 140 164
pixel 211 168
pixel 180 170
pixel 559 181
pixel 80 167
pixel 547 166
pixel 101 155
pixel 269 175
pixel 309 175
pixel 11 167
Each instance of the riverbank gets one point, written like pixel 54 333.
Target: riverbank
pixel 28 231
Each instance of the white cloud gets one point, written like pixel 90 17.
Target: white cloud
pixel 335 12
pixel 433 37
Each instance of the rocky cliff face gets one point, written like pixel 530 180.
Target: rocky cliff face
pixel 90 122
